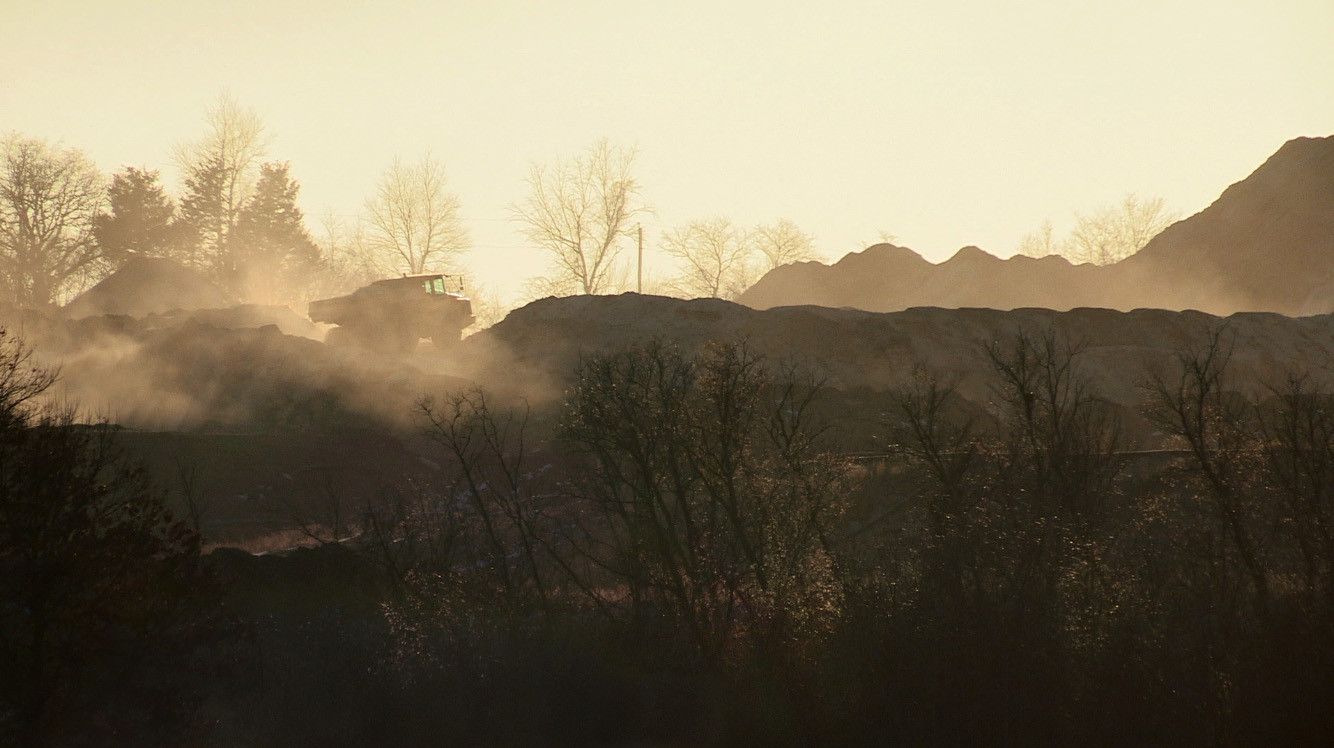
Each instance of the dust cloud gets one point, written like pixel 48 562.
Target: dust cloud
pixel 147 349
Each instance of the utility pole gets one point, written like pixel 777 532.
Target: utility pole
pixel 639 284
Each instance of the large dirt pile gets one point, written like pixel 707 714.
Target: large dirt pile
pixel 886 278
pixel 148 285
pixel 865 355
pixel 245 316
pixel 1266 244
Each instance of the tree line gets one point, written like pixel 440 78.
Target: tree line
pixel 1108 234
pixel 64 225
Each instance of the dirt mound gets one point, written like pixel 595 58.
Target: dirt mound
pixel 864 356
pixel 148 285
pixel 1266 244
pixel 165 293
pixel 251 316
pixel 886 278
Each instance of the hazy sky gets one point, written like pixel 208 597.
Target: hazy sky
pixel 942 123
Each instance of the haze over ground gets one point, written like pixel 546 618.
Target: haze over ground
pixel 965 123
pixel 641 520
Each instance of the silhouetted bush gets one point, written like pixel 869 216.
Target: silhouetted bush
pixel 92 566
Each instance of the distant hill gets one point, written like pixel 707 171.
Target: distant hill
pixel 1266 244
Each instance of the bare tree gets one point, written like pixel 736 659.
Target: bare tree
pixel 1195 404
pixel 190 489
pixel 1107 235
pixel 48 199
pixel 714 496
pixel 1112 233
pixel 931 434
pixel 488 306
pixel 715 255
pixel 487 446
pixel 346 258
pixel 1298 445
pixel 413 220
pixel 1056 419
pixel 783 243
pixel 882 236
pixel 580 210
pixel 1041 242
pixel 1014 512
pixel 220 171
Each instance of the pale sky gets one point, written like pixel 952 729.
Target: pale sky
pixel 942 123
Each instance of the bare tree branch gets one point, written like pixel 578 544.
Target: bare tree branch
pixel 413 220
pixel 48 199
pixel 783 243
pixel 580 210
pixel 715 256
pixel 220 171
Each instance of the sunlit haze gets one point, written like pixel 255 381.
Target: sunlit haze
pixel 942 124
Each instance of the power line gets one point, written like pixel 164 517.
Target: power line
pixel 472 219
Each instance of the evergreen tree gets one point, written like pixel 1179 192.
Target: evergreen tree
pixel 219 171
pixel 270 252
pixel 203 215
pixel 141 221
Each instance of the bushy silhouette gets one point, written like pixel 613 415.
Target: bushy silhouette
pixel 91 567
pixel 141 220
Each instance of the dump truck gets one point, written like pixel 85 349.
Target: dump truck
pixel 393 315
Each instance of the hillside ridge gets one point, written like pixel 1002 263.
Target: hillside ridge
pixel 1266 244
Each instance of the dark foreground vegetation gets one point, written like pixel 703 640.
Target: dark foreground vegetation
pixel 680 556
